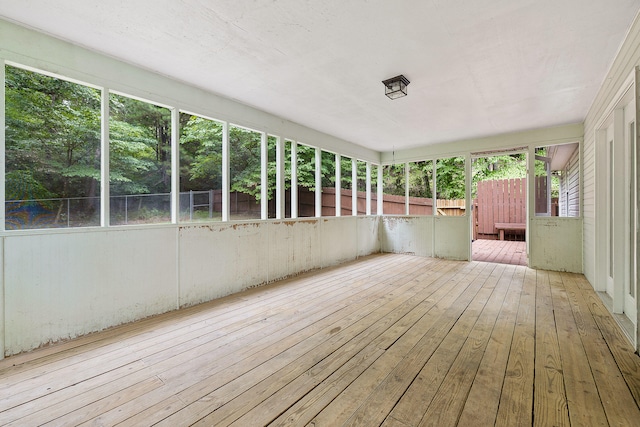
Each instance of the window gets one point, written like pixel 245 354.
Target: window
pixel 450 186
pixel 140 161
pixel 272 169
pixel 53 163
pixel 374 190
pixel 346 180
pixel 287 178
pixel 52 155
pixel 361 187
pixel 393 189
pixel 244 173
pixel 328 184
pixel 557 180
pixel 420 188
pixel 200 168
pixel 306 180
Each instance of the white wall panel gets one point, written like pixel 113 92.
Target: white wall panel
pixel 220 259
pixel 368 235
pixel 60 286
pixel 452 237
pixel 407 235
pixel 338 239
pixel 293 247
pixel 556 244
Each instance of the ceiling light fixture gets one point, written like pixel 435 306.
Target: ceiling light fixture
pixel 395 87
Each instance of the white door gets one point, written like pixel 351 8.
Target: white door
pixel 631 281
pixel 610 211
pixel 622 211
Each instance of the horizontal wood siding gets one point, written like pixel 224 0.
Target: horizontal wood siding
pixel 570 187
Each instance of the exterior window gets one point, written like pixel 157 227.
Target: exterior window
pixel 287 178
pixel 346 180
pixel 328 184
pixel 393 189
pixel 420 188
pixel 361 187
pixel 272 169
pixel 557 180
pixel 244 175
pixel 374 190
pixel 306 181
pixel 450 186
pixel 140 161
pixel 52 155
pixel 200 169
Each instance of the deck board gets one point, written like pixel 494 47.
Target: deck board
pixel 499 251
pixel 393 340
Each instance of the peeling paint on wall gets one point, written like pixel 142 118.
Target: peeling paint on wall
pixel 124 275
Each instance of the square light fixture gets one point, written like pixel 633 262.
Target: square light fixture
pixel 395 87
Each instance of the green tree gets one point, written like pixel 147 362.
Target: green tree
pixel 52 139
pixel 140 147
pixel 421 179
pixel 394 179
pixel 200 153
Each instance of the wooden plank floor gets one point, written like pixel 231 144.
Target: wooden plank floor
pixel 499 251
pixel 392 340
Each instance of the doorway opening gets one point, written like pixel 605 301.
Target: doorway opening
pixel 499 207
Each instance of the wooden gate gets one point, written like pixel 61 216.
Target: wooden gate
pixel 499 202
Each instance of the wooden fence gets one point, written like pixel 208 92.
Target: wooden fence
pixel 392 205
pixel 499 201
pixel 246 205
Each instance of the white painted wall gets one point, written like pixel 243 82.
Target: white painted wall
pixel 407 235
pixel 429 236
pixel 452 237
pixel 555 244
pixel 60 285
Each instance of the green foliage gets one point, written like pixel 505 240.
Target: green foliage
pixel 499 167
pixel 53 150
pixel 328 170
pixel 140 147
pixel 52 136
pixel 200 153
pixel 393 179
pixel 421 179
pixel 450 178
pixel 361 185
pixel 306 166
pixel 21 185
pixel 244 161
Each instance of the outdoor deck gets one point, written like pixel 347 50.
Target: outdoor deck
pixel 393 340
pixel 500 251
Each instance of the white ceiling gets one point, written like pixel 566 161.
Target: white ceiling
pixel 477 68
